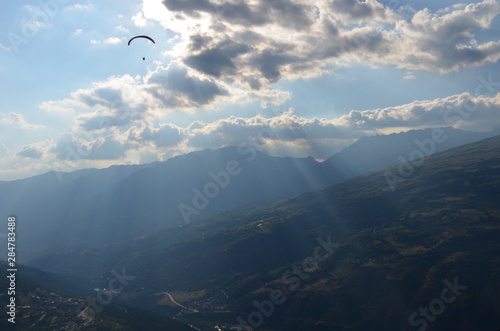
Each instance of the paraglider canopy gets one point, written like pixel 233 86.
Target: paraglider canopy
pixel 147 37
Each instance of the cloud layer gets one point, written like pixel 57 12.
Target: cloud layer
pixel 257 43
pixel 233 52
pixel 284 134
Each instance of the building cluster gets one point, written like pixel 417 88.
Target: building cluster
pixel 48 309
pixel 216 302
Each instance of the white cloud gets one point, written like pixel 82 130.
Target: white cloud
pixel 110 40
pixel 18 120
pixel 233 52
pixel 118 101
pixel 139 20
pixel 121 101
pixel 36 151
pixel 62 107
pixel 284 134
pixel 164 136
pixel 477 113
pixel 113 40
pixel 71 148
pixel 78 6
pixel 445 41
pixel 122 28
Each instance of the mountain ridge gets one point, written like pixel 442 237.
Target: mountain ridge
pixel 123 202
pixel 394 251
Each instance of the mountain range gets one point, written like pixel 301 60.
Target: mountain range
pixel 357 255
pixel 64 211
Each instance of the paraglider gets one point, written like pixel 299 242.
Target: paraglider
pixel 147 37
pixel 142 36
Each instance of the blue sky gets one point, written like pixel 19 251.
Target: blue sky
pixel 319 73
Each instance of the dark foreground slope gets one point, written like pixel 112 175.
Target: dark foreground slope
pixel 423 253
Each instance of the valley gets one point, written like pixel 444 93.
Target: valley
pixel 357 255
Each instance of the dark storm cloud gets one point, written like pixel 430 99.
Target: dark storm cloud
pixel 100 96
pixel 356 10
pixel 286 13
pixel 175 88
pixel 218 60
pixel 262 42
pixel 199 42
pixel 269 63
pixel 189 6
pixel 110 95
pixel 238 12
pixel 318 34
pixel 98 122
